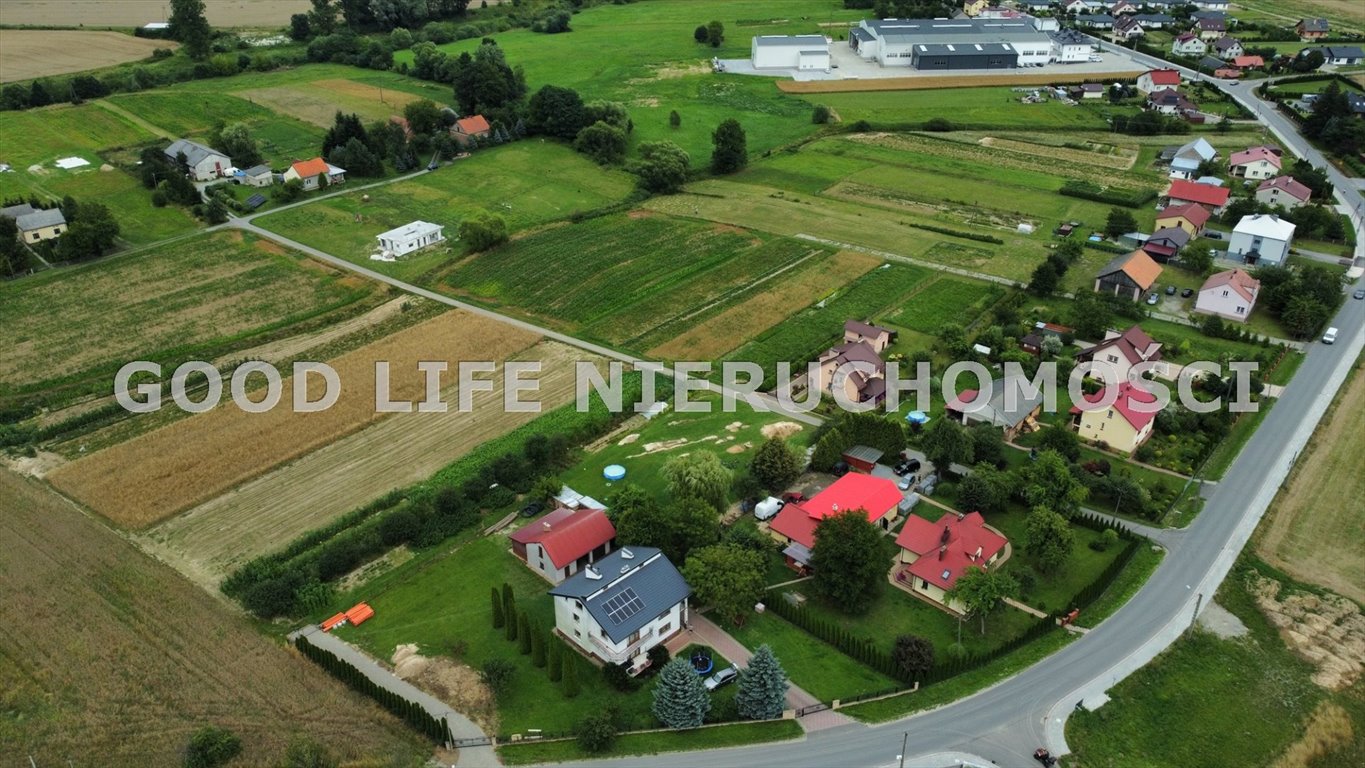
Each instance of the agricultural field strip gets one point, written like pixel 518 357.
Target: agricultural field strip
pixel 193 460
pixel 112 658
pixel 31 53
pixel 209 541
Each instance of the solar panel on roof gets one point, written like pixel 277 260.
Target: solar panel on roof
pixel 624 605
pixel 255 201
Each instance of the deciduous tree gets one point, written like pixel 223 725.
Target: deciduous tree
pixel 947 443
pixel 699 475
pixel 729 147
pixel 188 25
pixel 981 591
pixel 662 167
pixel 727 577
pixel 483 230
pixel 1048 482
pixel 776 465
pixel 847 560
pixel 1048 538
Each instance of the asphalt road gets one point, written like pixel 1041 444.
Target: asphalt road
pixel 1005 723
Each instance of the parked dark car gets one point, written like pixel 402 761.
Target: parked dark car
pixel 840 469
pixel 906 467
pixel 532 509
pixel 1213 235
pixel 1188 292
pixel 793 497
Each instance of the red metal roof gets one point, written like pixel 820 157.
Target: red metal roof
pixel 1206 194
pixel 1128 395
pixel 960 538
pixel 876 496
pixel 1164 77
pixel 568 534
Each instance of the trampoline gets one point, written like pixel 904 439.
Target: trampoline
pixel 702 662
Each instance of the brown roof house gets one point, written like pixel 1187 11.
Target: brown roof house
pixel 1230 294
pixel 1123 351
pixel 467 129
pixel 1128 276
pixel 863 344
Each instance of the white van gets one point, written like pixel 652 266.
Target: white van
pixel 1330 337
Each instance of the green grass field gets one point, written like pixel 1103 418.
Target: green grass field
pixel 717 737
pixel 619 278
pixel 733 436
pixel 194 299
pixel 817 667
pixel 997 107
pixel 93 134
pixel 1249 696
pixel 645 57
pixel 947 299
pixel 528 183
pixel 182 111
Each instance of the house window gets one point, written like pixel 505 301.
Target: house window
pixel 1241 310
pixel 665 629
pixel 1113 358
pixel 35 237
pixel 578 634
pixel 923 584
pixel 1225 294
pixel 1110 415
pixel 575 617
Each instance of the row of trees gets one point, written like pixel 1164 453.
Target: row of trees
pixel 682 701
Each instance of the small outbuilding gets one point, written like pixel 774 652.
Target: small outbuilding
pixel 801 52
pixel 411 237
pixel 862 458
pixel 256 176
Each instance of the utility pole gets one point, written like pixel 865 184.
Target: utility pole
pixel 905 737
pixel 1198 600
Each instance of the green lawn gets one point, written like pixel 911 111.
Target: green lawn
pixel 95 135
pixel 947 299
pixel 817 667
pixel 1145 560
pixel 1248 696
pixel 996 107
pixel 715 737
pixel 190 111
pixel 446 603
pixel 623 279
pixel 1227 451
pixel 528 183
pixel 644 456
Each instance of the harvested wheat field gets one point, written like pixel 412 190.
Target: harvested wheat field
pixel 1310 533
pixel 932 82
pixel 159 474
pixel 785 296
pixel 113 659
pixel 209 541
pixel 30 53
pixel 317 102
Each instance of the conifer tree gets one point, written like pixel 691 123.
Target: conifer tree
pixel 524 633
pixel 680 698
pixel 497 609
pixel 763 687
pixel 570 677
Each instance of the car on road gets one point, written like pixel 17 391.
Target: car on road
pixel 1359 294
pixel 1330 337
pixel 1188 292
pixel 723 677
pixel 1170 290
pixel 1210 234
pixel 1153 297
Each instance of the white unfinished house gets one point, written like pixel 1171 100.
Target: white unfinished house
pixel 410 237
pixel 621 606
pixel 790 52
pixel 1262 238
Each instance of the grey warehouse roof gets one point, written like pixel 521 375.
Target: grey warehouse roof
pixel 632 591
pixel 193 150
pixel 964 49
pixel 930 31
pixel 768 40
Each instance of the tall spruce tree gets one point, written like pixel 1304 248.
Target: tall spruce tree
pixel 509 609
pixel 680 698
pixel 570 675
pixel 496 600
pixel 763 687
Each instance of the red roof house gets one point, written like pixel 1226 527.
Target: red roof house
pixel 562 542
pixel 1125 424
pixel 795 524
pixel 1122 351
pixel 935 555
pixel 1156 79
pixel 468 128
pixel 1183 191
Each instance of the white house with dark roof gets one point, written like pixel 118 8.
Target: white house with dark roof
pixel 801 52
pixel 1121 352
pixel 1227 48
pixel 1189 44
pixel 200 162
pixel 1185 164
pixel 1009 406
pixel 257 176
pixel 622 605
pixel 1342 55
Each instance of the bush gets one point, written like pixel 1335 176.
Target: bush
pixel 820 115
pixel 497 674
pixel 1128 198
pixel 211 746
pixel 597 732
pixel 618 677
pixel 482 230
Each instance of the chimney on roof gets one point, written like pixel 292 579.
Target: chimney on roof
pixel 592 573
pixel 961 516
pixel 977 556
pixel 546 524
pixel 626 554
pixel 834 507
pixel 943 537
pixel 942 550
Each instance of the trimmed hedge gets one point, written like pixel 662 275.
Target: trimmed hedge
pixel 1128 198
pixel 957 233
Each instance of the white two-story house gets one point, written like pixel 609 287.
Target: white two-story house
pixel 623 605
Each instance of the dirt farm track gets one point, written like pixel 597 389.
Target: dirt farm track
pixel 135 13
pixel 29 53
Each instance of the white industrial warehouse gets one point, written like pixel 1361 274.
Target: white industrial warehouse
pixel 800 52
pixel 957 44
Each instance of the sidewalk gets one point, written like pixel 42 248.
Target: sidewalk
pixel 460 726
pixel 705 632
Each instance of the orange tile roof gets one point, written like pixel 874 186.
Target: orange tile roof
pixel 473 125
pixel 307 168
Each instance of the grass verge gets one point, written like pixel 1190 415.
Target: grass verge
pixel 654 742
pixel 1125 585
